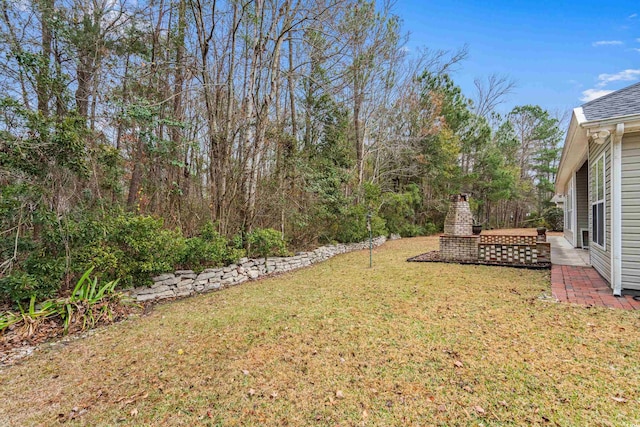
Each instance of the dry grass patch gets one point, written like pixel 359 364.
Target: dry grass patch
pixel 342 344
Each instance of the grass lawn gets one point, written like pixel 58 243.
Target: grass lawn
pixel 342 344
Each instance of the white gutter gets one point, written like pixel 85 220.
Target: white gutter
pixel 616 210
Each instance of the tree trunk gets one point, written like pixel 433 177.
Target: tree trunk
pixel 136 175
pixel 44 75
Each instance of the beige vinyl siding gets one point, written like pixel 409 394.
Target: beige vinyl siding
pixel 582 201
pixel 601 258
pixel 568 233
pixel 631 211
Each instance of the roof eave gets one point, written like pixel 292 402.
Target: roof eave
pixel 577 142
pixel 573 151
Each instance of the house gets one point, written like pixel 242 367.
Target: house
pixel 558 199
pixel 599 175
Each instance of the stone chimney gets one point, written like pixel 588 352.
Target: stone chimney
pixel 459 220
pixel 458 242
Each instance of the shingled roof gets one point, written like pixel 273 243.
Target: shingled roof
pixel 623 102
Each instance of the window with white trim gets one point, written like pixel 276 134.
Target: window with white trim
pixel 569 211
pixel 598 192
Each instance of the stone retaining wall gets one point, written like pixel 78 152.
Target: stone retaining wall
pixel 186 282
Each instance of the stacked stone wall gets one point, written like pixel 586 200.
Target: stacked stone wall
pixel 186 282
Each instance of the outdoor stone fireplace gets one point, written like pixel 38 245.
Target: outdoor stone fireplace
pixel 458 242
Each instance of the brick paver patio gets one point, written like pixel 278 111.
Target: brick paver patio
pixel 584 286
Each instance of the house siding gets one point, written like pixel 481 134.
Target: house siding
pixel 582 202
pixel 601 258
pixel 631 211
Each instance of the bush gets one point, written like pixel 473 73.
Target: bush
pixel 430 228
pixel 410 230
pixel 352 226
pixel 264 242
pixel 209 249
pixel 399 212
pixel 125 246
pixel 554 218
pixel 142 248
pixel 119 245
pixel 21 287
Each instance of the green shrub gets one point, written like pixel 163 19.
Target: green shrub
pixel 209 249
pixel 119 245
pixel 410 230
pixel 352 225
pixel 199 254
pixel 21 286
pixel 264 242
pixel 554 218
pixel 430 228
pixel 143 248
pixel 399 212
pixel 128 247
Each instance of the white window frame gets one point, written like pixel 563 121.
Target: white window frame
pixel 570 207
pixel 597 201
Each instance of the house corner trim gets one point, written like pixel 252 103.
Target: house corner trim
pixel 616 210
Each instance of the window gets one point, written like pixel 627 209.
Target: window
pixel 569 211
pixel 597 204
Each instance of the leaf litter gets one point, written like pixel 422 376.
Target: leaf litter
pixel 266 353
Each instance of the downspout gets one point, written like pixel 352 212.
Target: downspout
pixel 616 211
pixel 574 208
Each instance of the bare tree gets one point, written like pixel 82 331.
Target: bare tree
pixel 490 93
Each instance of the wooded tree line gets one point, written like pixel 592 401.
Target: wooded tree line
pixel 297 115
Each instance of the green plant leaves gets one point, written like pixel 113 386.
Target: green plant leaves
pixel 264 242
pixel 87 305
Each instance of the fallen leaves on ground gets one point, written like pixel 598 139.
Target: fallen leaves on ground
pixel 402 343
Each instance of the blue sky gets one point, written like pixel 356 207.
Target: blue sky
pixel 560 53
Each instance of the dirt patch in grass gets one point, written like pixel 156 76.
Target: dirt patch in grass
pixel 341 344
